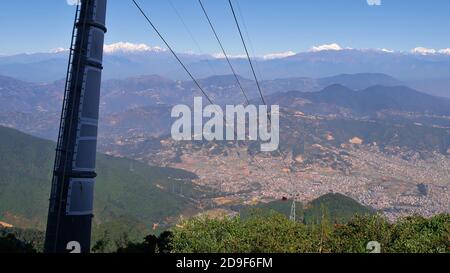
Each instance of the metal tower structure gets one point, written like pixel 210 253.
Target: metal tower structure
pixel 293 215
pixel 71 199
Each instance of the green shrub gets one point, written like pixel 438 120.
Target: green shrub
pixel 416 234
pixel 275 233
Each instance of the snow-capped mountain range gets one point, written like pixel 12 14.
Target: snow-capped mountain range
pixel 126 59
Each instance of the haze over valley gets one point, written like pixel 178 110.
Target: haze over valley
pixel 380 136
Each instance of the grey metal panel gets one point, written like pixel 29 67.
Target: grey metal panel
pixel 88 130
pixel 91 94
pixel 80 198
pixel 100 14
pixel 96 42
pixel 85 154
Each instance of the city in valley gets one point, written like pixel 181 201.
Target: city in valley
pixel 395 181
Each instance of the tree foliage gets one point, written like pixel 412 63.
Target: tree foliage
pixel 275 233
pixel 10 244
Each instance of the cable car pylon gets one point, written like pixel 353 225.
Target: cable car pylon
pixel 71 199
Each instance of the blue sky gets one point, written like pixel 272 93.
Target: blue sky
pixel 273 25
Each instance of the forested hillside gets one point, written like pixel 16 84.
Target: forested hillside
pixel 336 208
pixel 124 188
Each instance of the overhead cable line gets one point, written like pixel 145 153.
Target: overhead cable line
pixel 257 83
pixel 232 69
pixel 197 44
pixel 252 49
pixel 224 52
pixel 181 63
pixel 172 51
pixel 247 53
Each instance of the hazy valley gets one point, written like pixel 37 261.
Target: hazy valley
pixel 366 136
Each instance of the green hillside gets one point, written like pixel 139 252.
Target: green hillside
pixel 335 207
pixel 123 187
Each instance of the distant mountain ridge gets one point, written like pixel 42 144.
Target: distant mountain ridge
pixel 370 100
pixel 149 90
pixel 47 67
pixel 21 96
pixel 360 81
pixel 439 87
pixel 133 103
